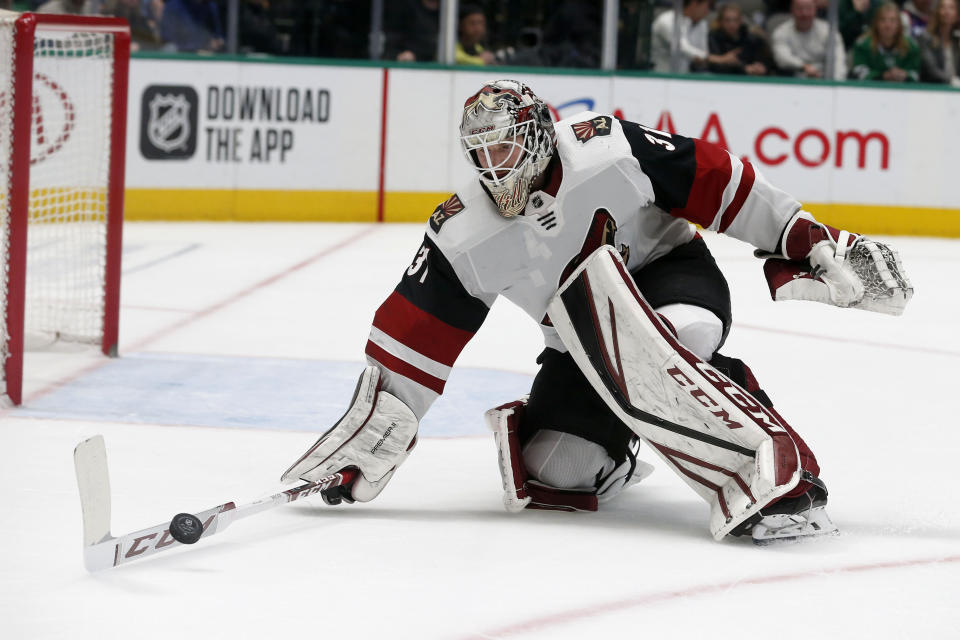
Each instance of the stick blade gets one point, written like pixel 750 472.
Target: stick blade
pixel 93 481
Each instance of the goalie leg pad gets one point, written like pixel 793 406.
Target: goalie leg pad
pixel 520 491
pixel 568 462
pixel 504 421
pixel 585 473
pixel 565 461
pixel 739 372
pixel 730 449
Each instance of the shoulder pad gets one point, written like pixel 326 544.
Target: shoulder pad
pixel 475 216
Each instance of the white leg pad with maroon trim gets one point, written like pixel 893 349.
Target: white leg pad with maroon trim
pixel 565 460
pixel 715 435
pixel 520 491
pixel 503 421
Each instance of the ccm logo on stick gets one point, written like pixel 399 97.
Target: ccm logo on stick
pixel 145 543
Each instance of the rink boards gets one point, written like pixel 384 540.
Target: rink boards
pixel 225 139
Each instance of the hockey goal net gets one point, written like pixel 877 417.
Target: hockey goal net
pixel 63 95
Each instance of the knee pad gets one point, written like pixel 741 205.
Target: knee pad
pixel 565 461
pixel 698 329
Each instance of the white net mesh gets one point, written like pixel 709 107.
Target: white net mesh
pixel 69 176
pixel 70 160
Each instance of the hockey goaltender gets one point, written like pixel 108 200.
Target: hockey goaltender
pixel 586 224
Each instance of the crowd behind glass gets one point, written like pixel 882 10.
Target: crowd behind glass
pixel 880 40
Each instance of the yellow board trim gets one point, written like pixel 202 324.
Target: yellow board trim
pixel 411 206
pixel 252 205
pixel 896 221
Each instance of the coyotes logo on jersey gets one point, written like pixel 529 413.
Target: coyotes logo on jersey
pixel 588 129
pixel 445 211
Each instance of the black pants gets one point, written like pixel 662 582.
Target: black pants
pixel 562 398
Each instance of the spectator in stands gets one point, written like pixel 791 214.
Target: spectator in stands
pixel 192 25
pixel 886 52
pixel 731 34
pixel 324 28
pixel 853 17
pixel 800 44
pixel 153 9
pixel 65 6
pixel 144 21
pixel 780 7
pixel 256 31
pixel 528 49
pixel 471 33
pixel 410 28
pixel 571 35
pixel 940 45
pixel 916 14
pixel 694 48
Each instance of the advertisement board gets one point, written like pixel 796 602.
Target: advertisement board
pixel 255 140
pixel 274 135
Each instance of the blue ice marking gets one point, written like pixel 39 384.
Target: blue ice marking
pixel 262 393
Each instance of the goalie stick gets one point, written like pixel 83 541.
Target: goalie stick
pixel 101 550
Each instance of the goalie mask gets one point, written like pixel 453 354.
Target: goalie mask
pixel 508 136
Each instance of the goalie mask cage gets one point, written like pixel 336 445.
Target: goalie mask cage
pixel 63 101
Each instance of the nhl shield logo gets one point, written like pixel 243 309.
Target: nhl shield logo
pixel 168 126
pixel 168 129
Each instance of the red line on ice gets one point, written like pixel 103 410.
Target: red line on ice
pixel 845 340
pixel 593 611
pixel 202 313
pixel 137 346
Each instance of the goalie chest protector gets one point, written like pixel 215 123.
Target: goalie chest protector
pixel 603 198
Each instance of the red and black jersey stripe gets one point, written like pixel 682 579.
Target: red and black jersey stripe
pixel 690 176
pixel 423 325
pixel 435 289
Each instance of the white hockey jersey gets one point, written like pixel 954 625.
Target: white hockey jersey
pixel 611 182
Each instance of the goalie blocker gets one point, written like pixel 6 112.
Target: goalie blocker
pixel 729 448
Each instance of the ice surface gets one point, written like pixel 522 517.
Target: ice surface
pixel 237 339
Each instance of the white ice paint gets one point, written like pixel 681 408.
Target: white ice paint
pixel 436 556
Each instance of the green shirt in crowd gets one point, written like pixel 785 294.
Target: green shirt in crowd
pixel 870 63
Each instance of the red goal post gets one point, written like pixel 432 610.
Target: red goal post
pixel 63 113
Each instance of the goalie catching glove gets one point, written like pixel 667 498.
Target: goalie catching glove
pixel 375 436
pixel 836 267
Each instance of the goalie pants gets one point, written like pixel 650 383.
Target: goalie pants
pixel 563 400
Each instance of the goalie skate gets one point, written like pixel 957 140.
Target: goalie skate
pixel 792 519
pixel 781 527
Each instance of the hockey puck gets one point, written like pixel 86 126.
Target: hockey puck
pixel 186 528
